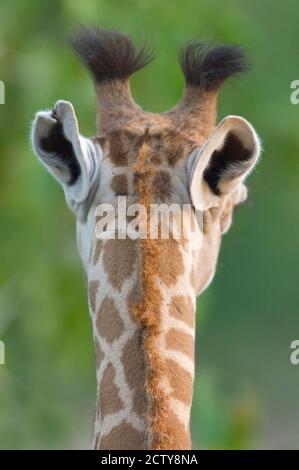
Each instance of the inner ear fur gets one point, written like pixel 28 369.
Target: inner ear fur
pixel 223 163
pixel 72 159
pixel 228 162
pixel 62 151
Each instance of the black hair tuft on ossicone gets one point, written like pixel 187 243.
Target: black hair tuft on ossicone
pixel 109 55
pixel 208 66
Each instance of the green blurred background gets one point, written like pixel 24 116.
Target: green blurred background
pixel 246 393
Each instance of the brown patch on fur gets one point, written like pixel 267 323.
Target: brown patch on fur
pixel 117 151
pixel 170 250
pixel 172 146
pixel 180 341
pixel 135 371
pixel 182 308
pixel 109 397
pixel 99 354
pixel 180 381
pixel 119 184
pixel 109 323
pixel 119 260
pixel 97 251
pixel 162 185
pixel 156 160
pixel 92 293
pixel 123 436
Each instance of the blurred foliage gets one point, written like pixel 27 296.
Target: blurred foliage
pixel 246 389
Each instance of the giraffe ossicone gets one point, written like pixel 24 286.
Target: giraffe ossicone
pixel 142 291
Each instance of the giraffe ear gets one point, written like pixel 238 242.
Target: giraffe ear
pixel 222 164
pixel 72 159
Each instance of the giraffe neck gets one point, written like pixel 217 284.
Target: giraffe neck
pixel 144 337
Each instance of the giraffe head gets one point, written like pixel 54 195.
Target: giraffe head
pixel 179 158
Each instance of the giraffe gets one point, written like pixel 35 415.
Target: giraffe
pixel 142 292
